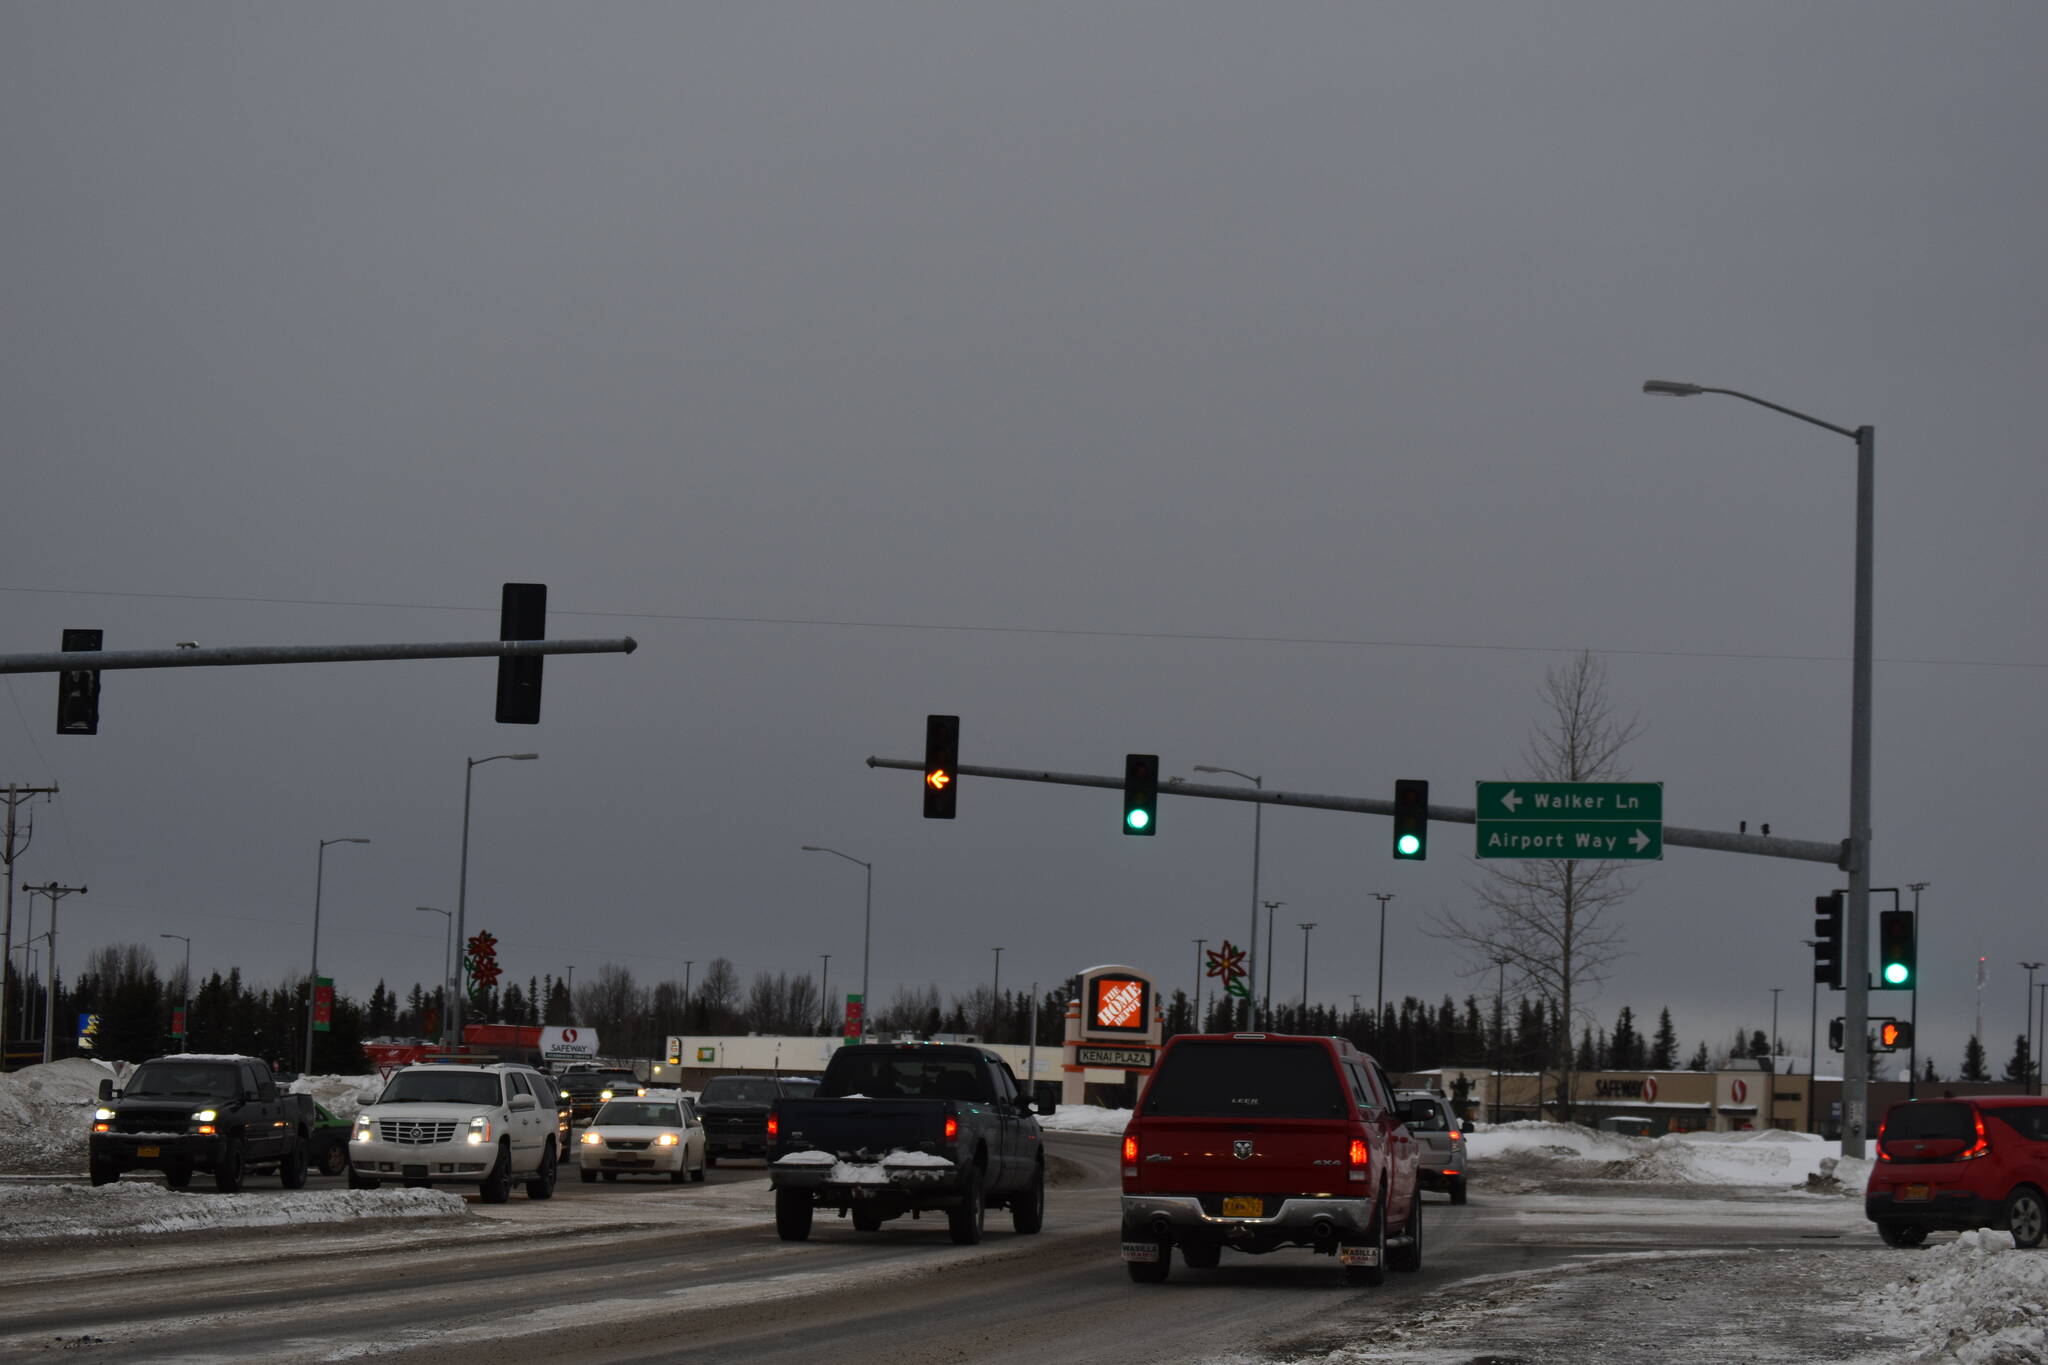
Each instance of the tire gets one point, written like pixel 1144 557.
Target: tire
pixel 793 1215
pixel 1900 1234
pixel 358 1181
pixel 1153 1272
pixel 710 1158
pixel 227 1175
pixel 1458 1191
pixel 105 1173
pixel 610 1176
pixel 2025 1215
pixel 291 1171
pixel 1027 1210
pixel 1371 1276
pixel 698 1174
pixel 966 1218
pixel 1409 1258
pixel 542 1186
pixel 497 1186
pixel 334 1160
pixel 178 1177
pixel 865 1221
pixel 678 1176
pixel 589 1176
pixel 1201 1256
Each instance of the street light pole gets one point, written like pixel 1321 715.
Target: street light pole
pixel 185 1033
pixel 313 977
pixel 1774 1024
pixel 2027 1080
pixel 1812 1042
pixel 824 991
pixel 1379 999
pixel 1500 1030
pixel 867 922
pixel 447 949
pixel 1304 970
pixel 995 997
pixel 1195 1021
pixel 1913 1051
pixel 1251 949
pixel 1856 926
pixel 451 1024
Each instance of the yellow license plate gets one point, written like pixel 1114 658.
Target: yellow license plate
pixel 145 1151
pixel 1243 1206
pixel 1917 1192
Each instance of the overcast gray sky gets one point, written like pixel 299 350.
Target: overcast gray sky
pixel 1252 384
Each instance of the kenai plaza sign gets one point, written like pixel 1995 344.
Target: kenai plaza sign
pixel 1594 820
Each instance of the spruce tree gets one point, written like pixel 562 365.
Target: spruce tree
pixel 1664 1047
pixel 1973 1061
pixel 1700 1058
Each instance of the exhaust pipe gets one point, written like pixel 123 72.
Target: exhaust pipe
pixel 1325 1230
pixel 1162 1227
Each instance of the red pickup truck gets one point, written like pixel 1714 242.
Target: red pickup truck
pixel 1258 1141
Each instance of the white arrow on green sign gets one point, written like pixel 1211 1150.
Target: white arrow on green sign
pixel 1603 820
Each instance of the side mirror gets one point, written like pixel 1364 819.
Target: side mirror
pixel 522 1102
pixel 106 1089
pixel 1419 1112
pixel 1046 1106
pixel 249 1097
pixel 1465 1126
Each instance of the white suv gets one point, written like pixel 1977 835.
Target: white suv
pixel 459 1125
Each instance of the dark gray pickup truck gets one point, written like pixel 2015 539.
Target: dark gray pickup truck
pixel 900 1128
pixel 201 1112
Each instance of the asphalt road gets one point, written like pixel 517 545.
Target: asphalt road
pixel 646 1271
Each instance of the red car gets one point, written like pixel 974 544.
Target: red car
pixel 1952 1164
pixel 1257 1141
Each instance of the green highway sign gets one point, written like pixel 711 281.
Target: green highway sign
pixel 1594 820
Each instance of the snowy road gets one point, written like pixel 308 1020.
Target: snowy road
pixel 698 1272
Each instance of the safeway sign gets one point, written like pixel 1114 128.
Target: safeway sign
pixel 568 1044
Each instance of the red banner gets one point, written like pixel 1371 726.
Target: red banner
pixel 856 1013
pixel 323 1003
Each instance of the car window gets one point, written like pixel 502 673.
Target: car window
pixel 1228 1079
pixel 639 1113
pixel 2028 1120
pixel 519 1085
pixel 1437 1122
pixel 1930 1121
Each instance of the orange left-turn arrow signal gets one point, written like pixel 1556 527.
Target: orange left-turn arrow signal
pixel 938 780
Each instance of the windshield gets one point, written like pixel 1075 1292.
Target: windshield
pixel 210 1080
pixel 1433 1122
pixel 740 1090
pixel 1246 1080
pixel 639 1113
pixel 441 1087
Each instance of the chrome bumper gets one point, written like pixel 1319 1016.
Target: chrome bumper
pixel 1346 1219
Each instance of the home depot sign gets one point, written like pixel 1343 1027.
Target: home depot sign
pixel 1113 1028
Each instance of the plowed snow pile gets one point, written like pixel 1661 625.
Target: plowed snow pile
pixel 130 1207
pixel 45 1113
pixel 342 1096
pixel 1975 1300
pixel 1765 1158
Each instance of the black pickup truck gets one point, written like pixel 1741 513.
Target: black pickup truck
pixel 201 1112
pixel 735 1110
pixel 900 1128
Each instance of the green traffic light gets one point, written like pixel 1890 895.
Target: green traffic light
pixel 1409 845
pixel 1138 819
pixel 1895 973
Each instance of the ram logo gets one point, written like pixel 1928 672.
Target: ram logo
pixel 1242 1149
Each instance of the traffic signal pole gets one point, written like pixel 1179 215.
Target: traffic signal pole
pixel 1756 845
pixel 229 656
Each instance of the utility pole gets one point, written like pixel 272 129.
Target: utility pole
pixel 1913 1052
pixel 1272 913
pixel 1195 1024
pixel 15 796
pixel 1379 999
pixel 995 995
pixel 824 992
pixel 1812 1042
pixel 55 893
pixel 1304 970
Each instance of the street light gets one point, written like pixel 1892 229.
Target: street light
pixel 824 991
pixel 1196 1022
pixel 1272 918
pixel 1379 999
pixel 1500 1030
pixel 313 978
pixel 867 921
pixel 1304 971
pixel 1251 960
pixel 451 1024
pixel 2027 1080
pixel 1856 931
pixel 994 996
pixel 447 948
pixel 185 1033
pixel 1812 1042
pixel 1913 1051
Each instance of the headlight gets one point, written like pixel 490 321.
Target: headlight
pixel 103 1114
pixel 667 1140
pixel 479 1131
pixel 590 1139
pixel 205 1115
pixel 604 1094
pixel 363 1133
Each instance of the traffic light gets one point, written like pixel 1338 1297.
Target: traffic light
pixel 1895 950
pixel 1411 818
pixel 522 615
pixel 1893 1034
pixel 1141 794
pixel 941 766
pixel 1827 940
pixel 78 691
pixel 1834 1035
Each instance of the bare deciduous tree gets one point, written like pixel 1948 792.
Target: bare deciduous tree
pixel 1547 919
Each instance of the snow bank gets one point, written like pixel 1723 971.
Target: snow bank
pixel 45 1114
pixel 1764 1157
pixel 1086 1118
pixel 128 1208
pixel 1975 1300
pixel 341 1096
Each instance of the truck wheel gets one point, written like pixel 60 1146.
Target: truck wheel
pixel 227 1173
pixel 542 1186
pixel 178 1177
pixel 358 1181
pixel 1371 1276
pixel 1201 1256
pixel 1410 1257
pixel 1458 1191
pixel 611 1175
pixel 2024 1216
pixel 334 1160
pixel 1027 1210
pixel 1899 1234
pixel 866 1220
pixel 589 1176
pixel 793 1215
pixel 965 1219
pixel 105 1172
pixel 1152 1272
pixel 678 1176
pixel 698 1174
pixel 291 1172
pixel 710 1158
pixel 497 1186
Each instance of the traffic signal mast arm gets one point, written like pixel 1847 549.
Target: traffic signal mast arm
pixel 231 655
pixel 1801 850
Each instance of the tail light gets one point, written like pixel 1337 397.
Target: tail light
pixel 952 1127
pixel 1130 1156
pixel 774 1123
pixel 1983 1147
pixel 1361 1159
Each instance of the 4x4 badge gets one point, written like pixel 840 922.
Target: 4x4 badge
pixel 1242 1149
